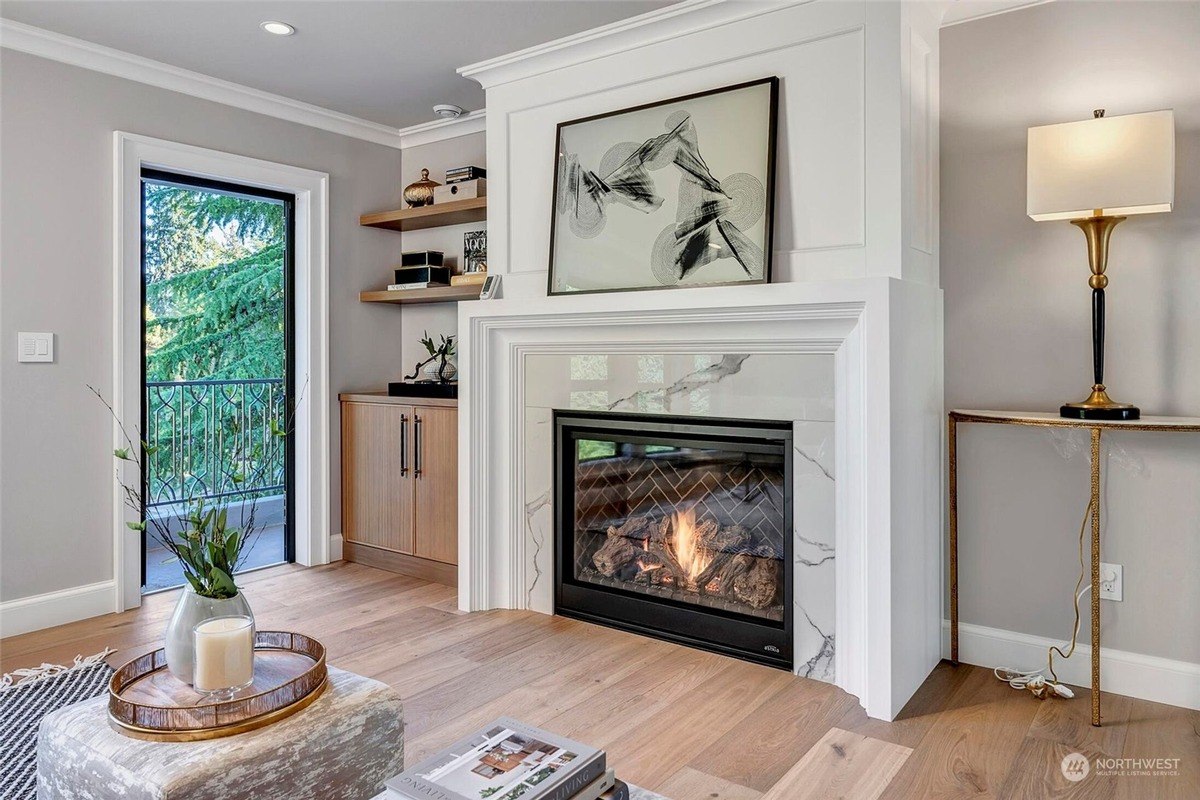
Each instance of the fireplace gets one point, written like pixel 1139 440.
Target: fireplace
pixel 677 527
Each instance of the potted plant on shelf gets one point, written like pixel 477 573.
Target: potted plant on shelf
pixel 209 548
pixel 438 367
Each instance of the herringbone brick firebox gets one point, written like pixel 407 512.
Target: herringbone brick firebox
pixel 678 527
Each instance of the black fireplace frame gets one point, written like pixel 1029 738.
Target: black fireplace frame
pixel 752 639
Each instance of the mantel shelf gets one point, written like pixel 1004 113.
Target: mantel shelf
pixel 456 212
pixel 435 294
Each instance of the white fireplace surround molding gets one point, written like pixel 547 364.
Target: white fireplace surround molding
pixel 888 577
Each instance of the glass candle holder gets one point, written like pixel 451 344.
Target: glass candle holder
pixel 224 648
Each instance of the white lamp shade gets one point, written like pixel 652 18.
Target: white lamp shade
pixel 1111 166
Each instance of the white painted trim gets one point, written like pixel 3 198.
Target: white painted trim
pixel 669 22
pixel 442 129
pixel 311 189
pixel 962 11
pixel 1160 680
pixel 881 657
pixel 80 53
pixel 335 548
pixel 55 608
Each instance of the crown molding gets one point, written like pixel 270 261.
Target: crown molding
pixel 663 24
pixel 441 129
pixel 962 11
pixel 80 53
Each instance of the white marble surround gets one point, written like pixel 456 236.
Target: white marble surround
pixel 779 386
pixel 886 420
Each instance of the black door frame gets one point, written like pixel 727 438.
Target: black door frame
pixel 288 200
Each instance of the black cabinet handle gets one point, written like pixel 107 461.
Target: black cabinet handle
pixel 403 445
pixel 417 446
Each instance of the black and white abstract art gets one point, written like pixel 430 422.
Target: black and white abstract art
pixel 671 194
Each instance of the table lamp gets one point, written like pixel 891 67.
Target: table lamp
pixel 1096 173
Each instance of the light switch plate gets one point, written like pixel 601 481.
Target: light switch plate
pixel 35 346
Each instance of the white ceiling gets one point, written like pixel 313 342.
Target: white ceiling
pixel 387 61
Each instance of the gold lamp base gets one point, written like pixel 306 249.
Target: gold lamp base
pixel 1098 229
pixel 1100 406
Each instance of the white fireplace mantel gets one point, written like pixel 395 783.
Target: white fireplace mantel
pixel 855 275
pixel 887 436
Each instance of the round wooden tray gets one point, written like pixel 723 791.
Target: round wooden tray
pixel 146 701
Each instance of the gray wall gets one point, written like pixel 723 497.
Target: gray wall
pixel 1018 324
pixel 437 318
pixel 56 125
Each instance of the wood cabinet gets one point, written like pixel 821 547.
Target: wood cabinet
pixel 435 480
pixel 400 484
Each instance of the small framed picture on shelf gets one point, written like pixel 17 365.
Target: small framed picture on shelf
pixel 491 287
pixel 475 251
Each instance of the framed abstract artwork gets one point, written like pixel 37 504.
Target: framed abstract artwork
pixel 672 194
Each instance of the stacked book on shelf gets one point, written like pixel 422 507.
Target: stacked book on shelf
pixel 462 183
pixel 420 270
pixel 507 760
pixel 460 174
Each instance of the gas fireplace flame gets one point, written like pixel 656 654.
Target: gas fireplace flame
pixel 685 545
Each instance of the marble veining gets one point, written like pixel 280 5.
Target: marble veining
pixel 820 665
pixel 750 386
pixel 531 509
pixel 714 373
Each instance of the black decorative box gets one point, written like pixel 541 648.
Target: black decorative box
pixel 423 275
pixel 422 258
pixel 423 389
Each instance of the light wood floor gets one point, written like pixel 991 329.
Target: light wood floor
pixel 691 725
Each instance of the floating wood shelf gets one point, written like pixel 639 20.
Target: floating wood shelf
pixel 457 212
pixel 435 294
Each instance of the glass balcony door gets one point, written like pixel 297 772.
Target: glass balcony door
pixel 218 383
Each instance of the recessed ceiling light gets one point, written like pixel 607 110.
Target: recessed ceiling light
pixel 277 28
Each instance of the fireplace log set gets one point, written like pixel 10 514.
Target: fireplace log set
pixel 704 558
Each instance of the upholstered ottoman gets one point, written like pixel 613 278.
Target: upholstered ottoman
pixel 343 747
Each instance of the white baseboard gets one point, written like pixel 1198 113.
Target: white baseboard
pixel 335 548
pixel 56 608
pixel 1160 680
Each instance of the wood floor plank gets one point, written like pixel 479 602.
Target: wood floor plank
pixel 1160 731
pixel 781 730
pixel 918 714
pixel 843 765
pixel 683 727
pixel 543 698
pixel 691 724
pixel 692 783
pixel 1037 774
pixel 1069 723
pixel 970 747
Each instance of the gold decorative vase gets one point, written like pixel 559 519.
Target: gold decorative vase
pixel 420 193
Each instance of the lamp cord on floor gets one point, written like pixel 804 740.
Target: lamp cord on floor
pixel 1035 680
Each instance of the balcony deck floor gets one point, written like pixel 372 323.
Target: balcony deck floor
pixel 163 570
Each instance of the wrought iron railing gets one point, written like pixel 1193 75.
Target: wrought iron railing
pixel 215 439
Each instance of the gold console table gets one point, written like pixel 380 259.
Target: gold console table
pixel 1038 419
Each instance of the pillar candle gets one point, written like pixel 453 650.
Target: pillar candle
pixel 224 654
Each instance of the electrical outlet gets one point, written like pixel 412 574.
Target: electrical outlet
pixel 1112 584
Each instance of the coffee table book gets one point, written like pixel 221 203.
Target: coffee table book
pixel 505 760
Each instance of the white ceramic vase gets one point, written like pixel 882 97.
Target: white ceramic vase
pixel 190 611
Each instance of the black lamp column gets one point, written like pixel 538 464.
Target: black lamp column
pixel 1098 229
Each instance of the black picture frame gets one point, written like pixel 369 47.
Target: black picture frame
pixel 769 184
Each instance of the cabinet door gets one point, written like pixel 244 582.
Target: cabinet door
pixel 376 475
pixel 435 471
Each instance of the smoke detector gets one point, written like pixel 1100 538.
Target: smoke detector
pixel 448 110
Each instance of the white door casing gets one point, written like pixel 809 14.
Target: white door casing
pixel 131 153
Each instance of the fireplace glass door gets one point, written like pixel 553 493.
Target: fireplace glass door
pixel 678 527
